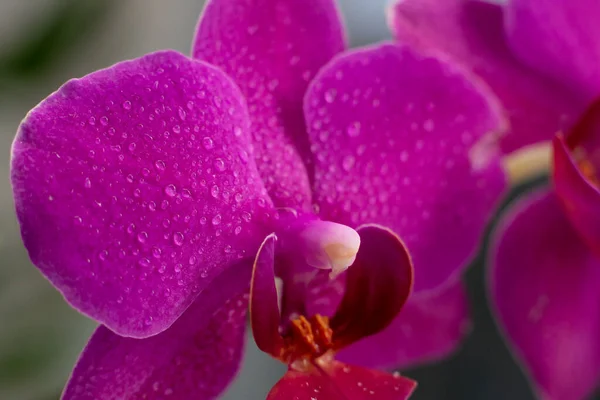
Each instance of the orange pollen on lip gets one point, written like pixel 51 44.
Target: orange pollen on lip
pixel 307 338
pixel 588 170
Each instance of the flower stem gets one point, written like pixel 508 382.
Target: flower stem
pixel 528 163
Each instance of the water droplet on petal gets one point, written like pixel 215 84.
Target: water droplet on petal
pixel 353 129
pixel 142 237
pixel 207 143
pixel 170 190
pixel 160 165
pixel 127 105
pixel 216 219
pixel 87 183
pixel 348 162
pixel 178 238
pixel 219 165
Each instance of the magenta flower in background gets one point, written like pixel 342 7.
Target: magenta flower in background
pixel 541 58
pixel 145 190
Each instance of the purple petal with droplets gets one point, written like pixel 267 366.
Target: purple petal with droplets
pixel 272 49
pixel 195 358
pixel 473 33
pixel 429 328
pixel 378 284
pixel 544 289
pixel 265 316
pixel 560 38
pixel 407 141
pixel 134 188
pixel 335 380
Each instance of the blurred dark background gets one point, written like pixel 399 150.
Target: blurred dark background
pixel 45 42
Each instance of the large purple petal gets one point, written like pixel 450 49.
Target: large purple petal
pixel 134 188
pixel 334 380
pixel 272 49
pixel 195 358
pixel 429 328
pixel 406 141
pixel 560 38
pixel 472 32
pixel 544 289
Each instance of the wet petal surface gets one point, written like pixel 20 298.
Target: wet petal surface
pixel 544 291
pixel 344 382
pixel 272 49
pixel 429 328
pixel 473 33
pixel 134 187
pixel 406 141
pixel 196 358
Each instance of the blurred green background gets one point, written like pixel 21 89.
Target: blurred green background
pixel 45 42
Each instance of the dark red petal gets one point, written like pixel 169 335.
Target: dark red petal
pixel 264 310
pixel 335 380
pixel 576 163
pixel 377 286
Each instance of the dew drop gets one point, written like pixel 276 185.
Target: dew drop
pixel 178 238
pixel 219 165
pixel 103 255
pixel 170 190
pixel 182 113
pixel 87 183
pixel 127 105
pixel 142 237
pixel 353 129
pixel 160 165
pixel 207 143
pixel 214 191
pixel 348 162
pixel 216 219
pixel 156 252
pixel 330 95
pixel 237 131
pixel 104 121
pixel 144 262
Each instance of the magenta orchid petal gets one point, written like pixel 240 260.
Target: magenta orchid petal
pixel 560 38
pixel 429 327
pixel 134 188
pixel 265 316
pixel 335 380
pixel 377 286
pixel 194 359
pixel 272 49
pixel 544 289
pixel 406 141
pixel 473 33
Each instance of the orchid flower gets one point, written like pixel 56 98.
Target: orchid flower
pixel 145 190
pixel 541 59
